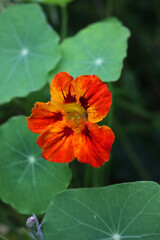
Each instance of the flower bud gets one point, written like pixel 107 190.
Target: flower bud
pixel 31 222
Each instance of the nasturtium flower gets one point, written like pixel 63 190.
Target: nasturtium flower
pixel 67 124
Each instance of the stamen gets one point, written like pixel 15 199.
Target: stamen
pixel 74 107
pixel 75 112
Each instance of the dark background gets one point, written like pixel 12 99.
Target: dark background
pixel 134 116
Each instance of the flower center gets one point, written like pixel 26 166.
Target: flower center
pixel 75 112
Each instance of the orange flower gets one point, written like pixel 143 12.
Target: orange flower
pixel 67 123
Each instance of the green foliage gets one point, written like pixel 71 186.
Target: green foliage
pixel 54 2
pixel 123 211
pixel 29 50
pixel 94 51
pixel 29 53
pixel 27 181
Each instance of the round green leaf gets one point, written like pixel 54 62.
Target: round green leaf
pixel 98 49
pixel 29 50
pixel 129 211
pixel 27 181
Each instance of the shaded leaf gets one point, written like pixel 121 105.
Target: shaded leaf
pixel 124 211
pixel 27 181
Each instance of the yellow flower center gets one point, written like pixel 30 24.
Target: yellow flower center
pixel 75 112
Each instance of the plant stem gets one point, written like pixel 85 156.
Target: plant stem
pixel 64 22
pixel 109 7
pixel 3 237
pixel 133 156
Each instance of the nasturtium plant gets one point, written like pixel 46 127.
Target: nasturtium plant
pixel 54 2
pixel 34 179
pixel 94 51
pixel 28 50
pixel 27 181
pixel 126 211
pixel 67 124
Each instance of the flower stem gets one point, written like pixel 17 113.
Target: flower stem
pixel 64 22
pixel 109 7
pixel 34 227
pixel 3 237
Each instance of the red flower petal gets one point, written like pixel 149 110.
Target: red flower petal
pixel 94 96
pixel 62 89
pixel 93 144
pixel 43 115
pixel 57 143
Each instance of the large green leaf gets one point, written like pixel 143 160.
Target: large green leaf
pixel 27 181
pixel 98 49
pixel 127 211
pixel 28 50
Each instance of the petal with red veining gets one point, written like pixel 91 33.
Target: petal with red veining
pixel 62 89
pixel 57 143
pixel 44 115
pixel 94 96
pixel 93 144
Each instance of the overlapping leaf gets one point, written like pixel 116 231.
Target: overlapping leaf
pixel 129 211
pixel 27 181
pixel 28 50
pixel 98 49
